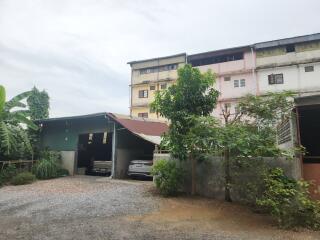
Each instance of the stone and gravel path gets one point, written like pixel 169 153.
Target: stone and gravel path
pixel 84 207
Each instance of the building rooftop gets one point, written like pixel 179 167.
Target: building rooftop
pixel 158 58
pixel 226 51
pixel 286 41
pixel 148 129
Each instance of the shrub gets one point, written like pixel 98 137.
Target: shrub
pixel 289 201
pixel 7 174
pixel 168 177
pixel 62 172
pixel 48 165
pixel 46 169
pixel 23 178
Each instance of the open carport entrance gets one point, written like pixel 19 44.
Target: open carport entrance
pixel 94 153
pixel 308 114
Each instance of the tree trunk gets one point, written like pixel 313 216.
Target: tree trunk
pixel 193 175
pixel 227 194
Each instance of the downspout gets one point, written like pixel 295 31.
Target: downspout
pixel 114 135
pixel 254 76
pixel 130 92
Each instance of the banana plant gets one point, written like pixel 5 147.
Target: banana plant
pixel 11 132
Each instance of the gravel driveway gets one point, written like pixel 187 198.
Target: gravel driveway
pixel 84 207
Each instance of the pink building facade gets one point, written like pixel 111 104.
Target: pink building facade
pixel 235 74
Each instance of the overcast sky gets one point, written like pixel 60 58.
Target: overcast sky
pixel 78 50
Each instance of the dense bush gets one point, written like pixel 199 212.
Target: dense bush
pixel 7 174
pixel 289 201
pixel 168 176
pixel 48 165
pixel 62 172
pixel 23 178
pixel 46 169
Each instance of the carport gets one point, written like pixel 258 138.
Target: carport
pixel 308 129
pixel 109 138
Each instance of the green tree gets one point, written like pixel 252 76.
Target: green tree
pixel 182 103
pixel 251 131
pixel 38 103
pixel 12 114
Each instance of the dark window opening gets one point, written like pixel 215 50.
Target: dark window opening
pixel 310 132
pixel 143 93
pixel 290 48
pixel 217 59
pixel 152 88
pixel 227 78
pixel 143 115
pixel 308 68
pixel 163 86
pixel 275 79
pixel 159 69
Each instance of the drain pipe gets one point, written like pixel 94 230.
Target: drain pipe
pixel 113 150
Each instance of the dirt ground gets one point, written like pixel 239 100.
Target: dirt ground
pixel 84 207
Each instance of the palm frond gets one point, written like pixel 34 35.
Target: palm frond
pixel 21 116
pixel 23 137
pixel 16 101
pixel 2 98
pixel 5 138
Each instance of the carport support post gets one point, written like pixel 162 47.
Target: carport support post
pixel 113 150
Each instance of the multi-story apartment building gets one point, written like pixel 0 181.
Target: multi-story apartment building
pixel 235 74
pixel 289 64
pixel 149 76
pixel 285 64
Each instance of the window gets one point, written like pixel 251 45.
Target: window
pixel 143 115
pixel 275 79
pixel 242 83
pixel 308 68
pixel 227 78
pixel 143 93
pixel 163 86
pixel 236 83
pixel 216 59
pixel 290 48
pixel 159 69
pixel 153 87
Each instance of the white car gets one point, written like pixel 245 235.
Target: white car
pixel 140 168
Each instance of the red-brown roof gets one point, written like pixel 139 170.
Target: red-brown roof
pixel 140 125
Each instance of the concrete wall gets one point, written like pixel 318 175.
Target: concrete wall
pixel 68 161
pixel 210 174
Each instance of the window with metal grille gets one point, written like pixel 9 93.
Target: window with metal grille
pixel 236 83
pixel 152 87
pixel 275 79
pixel 284 132
pixel 143 115
pixel 242 83
pixel 308 68
pixel 143 93
pixel 163 86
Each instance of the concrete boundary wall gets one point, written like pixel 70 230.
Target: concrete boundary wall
pixel 210 174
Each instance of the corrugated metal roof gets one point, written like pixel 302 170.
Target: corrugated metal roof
pixel 285 41
pixel 143 126
pixel 148 129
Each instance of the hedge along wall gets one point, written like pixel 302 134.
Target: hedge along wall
pixel 210 175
